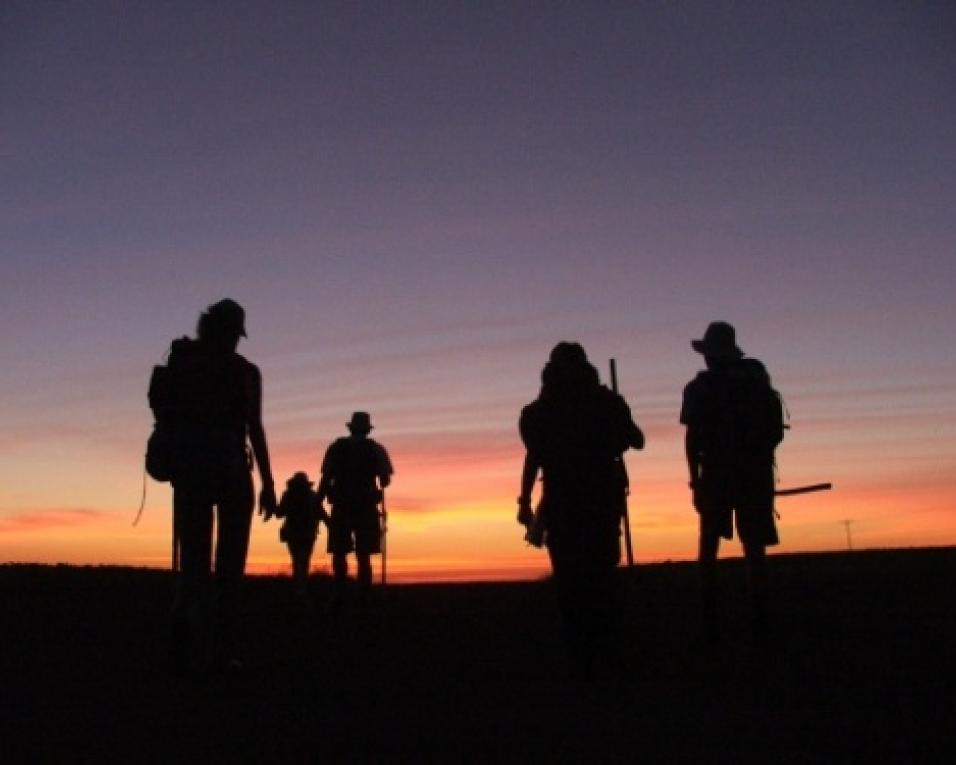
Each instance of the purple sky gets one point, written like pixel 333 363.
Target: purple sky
pixel 414 201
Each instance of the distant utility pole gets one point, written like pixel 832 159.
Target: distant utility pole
pixel 849 536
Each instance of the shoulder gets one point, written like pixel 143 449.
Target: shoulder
pixel 334 447
pixel 333 454
pixel 376 446
pixel 531 415
pixel 248 368
pixel 696 395
pixel 702 383
pixel 532 424
pixel 382 460
pixel 610 398
pixel 611 404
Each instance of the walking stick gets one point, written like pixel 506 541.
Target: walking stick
pixel 384 532
pixel 625 515
pixel 803 489
pixel 175 560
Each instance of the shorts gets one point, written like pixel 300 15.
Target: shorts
pixel 354 529
pixel 722 499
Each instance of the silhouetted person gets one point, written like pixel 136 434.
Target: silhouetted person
pixel 216 397
pixel 355 471
pixel 302 512
pixel 734 422
pixel 575 433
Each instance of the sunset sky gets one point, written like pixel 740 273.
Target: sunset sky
pixel 415 200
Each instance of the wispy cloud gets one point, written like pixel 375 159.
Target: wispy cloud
pixel 41 520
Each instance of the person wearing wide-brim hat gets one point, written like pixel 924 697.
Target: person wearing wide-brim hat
pixel 734 421
pixel 360 422
pixel 302 511
pixel 719 342
pixel 355 472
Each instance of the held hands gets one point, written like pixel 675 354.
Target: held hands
pixel 267 501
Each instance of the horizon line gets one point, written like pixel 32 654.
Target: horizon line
pixel 499 574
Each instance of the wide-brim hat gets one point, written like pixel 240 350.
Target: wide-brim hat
pixel 719 341
pixel 229 315
pixel 360 421
pixel 299 479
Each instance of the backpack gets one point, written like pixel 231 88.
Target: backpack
pixel 752 413
pixel 160 446
pixel 354 466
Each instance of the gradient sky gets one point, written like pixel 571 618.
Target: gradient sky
pixel 415 200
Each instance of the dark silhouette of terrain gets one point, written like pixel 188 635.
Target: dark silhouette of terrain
pixel 860 667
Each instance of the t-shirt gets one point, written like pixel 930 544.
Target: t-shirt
pixel 735 415
pixel 356 467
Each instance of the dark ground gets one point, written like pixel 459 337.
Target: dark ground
pixel 860 668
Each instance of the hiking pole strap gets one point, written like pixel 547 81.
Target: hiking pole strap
pixel 142 501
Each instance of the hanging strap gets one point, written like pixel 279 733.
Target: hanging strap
pixel 142 502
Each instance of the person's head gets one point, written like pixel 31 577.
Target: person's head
pixel 568 368
pixel 299 482
pixel 567 354
pixel 718 345
pixel 360 425
pixel 222 324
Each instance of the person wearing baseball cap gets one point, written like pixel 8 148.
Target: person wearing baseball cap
pixel 217 399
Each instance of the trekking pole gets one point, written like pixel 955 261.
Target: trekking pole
pixel 384 532
pixel 625 515
pixel 175 557
pixel 803 489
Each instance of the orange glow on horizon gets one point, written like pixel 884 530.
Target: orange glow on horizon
pixel 475 541
pixel 452 502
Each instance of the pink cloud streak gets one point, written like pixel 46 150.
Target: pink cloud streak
pixel 41 520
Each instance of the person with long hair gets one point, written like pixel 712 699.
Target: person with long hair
pixel 575 434
pixel 217 401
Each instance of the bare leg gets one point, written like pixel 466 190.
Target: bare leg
pixel 364 572
pixel 756 557
pixel 301 554
pixel 707 550
pixel 340 566
pixel 300 565
pixel 707 562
